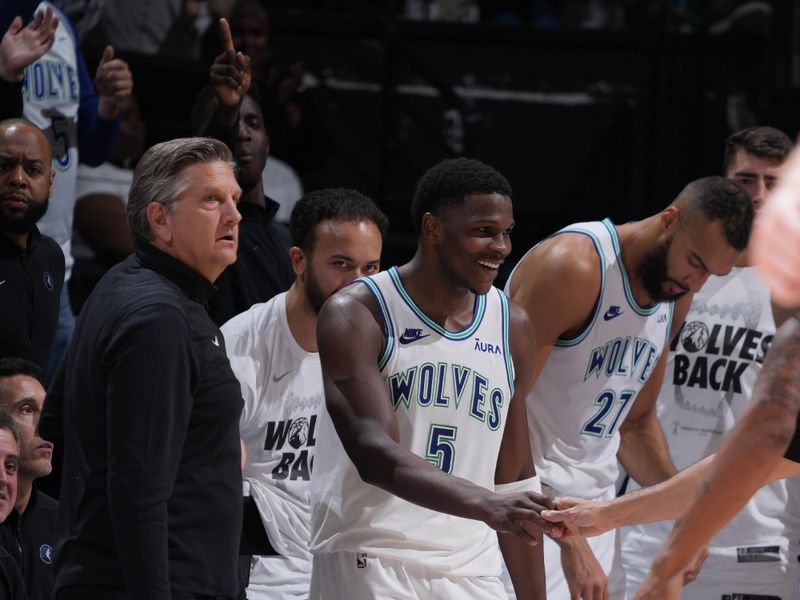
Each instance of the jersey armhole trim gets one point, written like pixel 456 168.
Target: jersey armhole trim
pixel 577 339
pixel 388 328
pixel 506 318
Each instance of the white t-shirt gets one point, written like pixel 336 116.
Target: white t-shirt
pixel 711 370
pixel 105 179
pixel 283 395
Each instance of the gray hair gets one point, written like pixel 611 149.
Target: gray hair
pixel 159 176
pixel 7 423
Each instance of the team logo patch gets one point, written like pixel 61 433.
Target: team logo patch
pixel 412 335
pixel 49 283
pixel 298 432
pixel 361 560
pixel 612 313
pixel 694 336
pixel 46 553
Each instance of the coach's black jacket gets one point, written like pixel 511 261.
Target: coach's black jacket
pixel 151 494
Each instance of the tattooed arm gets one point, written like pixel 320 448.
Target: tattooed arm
pixel 751 455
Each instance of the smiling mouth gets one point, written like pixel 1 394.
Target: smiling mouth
pixel 487 264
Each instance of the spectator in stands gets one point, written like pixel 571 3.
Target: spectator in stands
pixel 12 586
pixel 28 534
pixel 19 47
pixel 80 123
pixel 31 265
pixel 101 237
pixel 296 134
pixel 229 110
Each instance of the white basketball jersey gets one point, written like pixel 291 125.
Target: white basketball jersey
pixel 589 382
pixel 283 394
pixel 51 96
pixel 451 391
pixel 711 370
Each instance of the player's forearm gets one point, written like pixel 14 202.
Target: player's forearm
pixel 744 463
pixel 644 453
pixel 408 476
pixel 666 500
pixel 525 565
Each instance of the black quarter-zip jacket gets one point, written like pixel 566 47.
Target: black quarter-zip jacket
pixel 148 410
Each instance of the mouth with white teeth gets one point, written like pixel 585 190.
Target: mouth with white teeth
pixel 486 264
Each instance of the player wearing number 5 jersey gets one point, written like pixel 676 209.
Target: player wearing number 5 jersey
pixel 604 300
pixel 423 448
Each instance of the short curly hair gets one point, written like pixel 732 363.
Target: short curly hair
pixel 336 204
pixel 450 182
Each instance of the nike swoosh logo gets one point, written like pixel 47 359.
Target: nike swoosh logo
pixel 408 340
pixel 276 379
pixel 611 315
pixel 215 341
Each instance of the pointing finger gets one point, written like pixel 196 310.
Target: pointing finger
pixel 227 38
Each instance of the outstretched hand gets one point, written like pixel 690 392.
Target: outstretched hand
pixel 518 513
pixel 113 83
pixel 580 517
pixel 21 46
pixel 231 74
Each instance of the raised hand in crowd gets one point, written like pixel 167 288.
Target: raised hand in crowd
pixel 20 46
pixel 231 74
pixel 113 82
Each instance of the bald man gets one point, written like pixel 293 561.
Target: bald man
pixel 31 265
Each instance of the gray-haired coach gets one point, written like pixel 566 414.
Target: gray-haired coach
pixel 146 402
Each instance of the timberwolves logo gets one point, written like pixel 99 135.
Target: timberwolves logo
pixel 298 432
pixel 46 553
pixel 694 336
pixel 48 281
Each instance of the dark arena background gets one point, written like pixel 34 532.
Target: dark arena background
pixel 590 109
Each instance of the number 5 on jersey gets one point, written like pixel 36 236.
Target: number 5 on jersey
pixel 440 449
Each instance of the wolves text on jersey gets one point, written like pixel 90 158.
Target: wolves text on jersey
pixel 445 385
pixel 629 357
pixel 718 356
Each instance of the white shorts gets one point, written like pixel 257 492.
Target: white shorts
pixel 606 550
pixel 358 576
pixel 279 578
pixel 726 571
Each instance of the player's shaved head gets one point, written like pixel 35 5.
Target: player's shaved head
pixel 718 199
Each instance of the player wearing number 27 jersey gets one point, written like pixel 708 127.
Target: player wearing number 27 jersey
pixel 601 299
pixel 588 384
